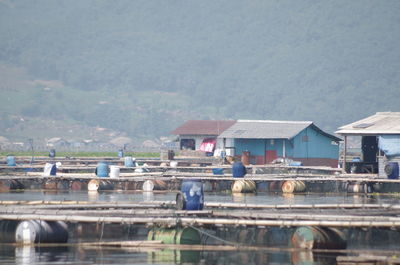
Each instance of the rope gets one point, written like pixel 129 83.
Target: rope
pixel 215 237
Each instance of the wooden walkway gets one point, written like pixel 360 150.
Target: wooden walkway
pixel 214 214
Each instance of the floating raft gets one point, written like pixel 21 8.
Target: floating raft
pixel 213 215
pixel 292 183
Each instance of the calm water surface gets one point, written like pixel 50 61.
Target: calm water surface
pixel 79 255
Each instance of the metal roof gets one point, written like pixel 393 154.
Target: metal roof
pixel 265 129
pixel 203 127
pixel 380 123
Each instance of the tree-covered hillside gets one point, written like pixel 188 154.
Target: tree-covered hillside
pixel 144 67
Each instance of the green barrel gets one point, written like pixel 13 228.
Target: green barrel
pixel 174 256
pixel 310 237
pixel 184 236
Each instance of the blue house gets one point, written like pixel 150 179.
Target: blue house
pixel 263 141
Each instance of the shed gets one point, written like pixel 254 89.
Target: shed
pixel 380 142
pixel 266 140
pixel 201 134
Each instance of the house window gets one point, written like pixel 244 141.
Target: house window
pixel 305 138
pixel 188 144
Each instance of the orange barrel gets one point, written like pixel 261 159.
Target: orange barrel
pixel 96 184
pixel 10 184
pixel 243 186
pixel 310 237
pixel 76 185
pixel 246 158
pixel 290 186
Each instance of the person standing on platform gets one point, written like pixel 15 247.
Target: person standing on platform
pixel 238 169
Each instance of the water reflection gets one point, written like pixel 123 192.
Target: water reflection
pixel 174 256
pixel 148 196
pixel 43 255
pixel 260 197
pixel 93 195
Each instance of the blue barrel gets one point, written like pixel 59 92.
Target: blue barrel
pixel 52 153
pixel 193 194
pixel 120 153
pixel 128 162
pixel 392 170
pixel 102 170
pixel 223 154
pixel 218 171
pixel 11 161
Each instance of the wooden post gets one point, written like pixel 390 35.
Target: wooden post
pixel 344 154
pixel 284 148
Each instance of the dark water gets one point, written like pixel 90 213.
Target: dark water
pixel 259 198
pixel 72 255
pixel 75 254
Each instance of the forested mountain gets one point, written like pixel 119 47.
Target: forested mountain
pixel 144 67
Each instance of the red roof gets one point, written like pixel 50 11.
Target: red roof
pixel 203 127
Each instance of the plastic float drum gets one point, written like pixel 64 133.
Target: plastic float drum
pixel 310 237
pixel 128 161
pixel 10 184
pixel 243 186
pixel 120 153
pixel 114 172
pixel 52 153
pixel 7 231
pixel 392 170
pixel 185 236
pixel 102 170
pixel 11 161
pixel 191 196
pixel 49 169
pixel 34 231
pixel 95 184
pixel 290 186
pixel 154 184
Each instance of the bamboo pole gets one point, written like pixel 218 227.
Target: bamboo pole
pixel 231 215
pixel 208 204
pixel 200 221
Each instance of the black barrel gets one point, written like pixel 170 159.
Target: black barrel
pixel 38 231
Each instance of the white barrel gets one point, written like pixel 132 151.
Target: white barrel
pixel 154 184
pixel 114 172
pixel 49 170
pixel 173 163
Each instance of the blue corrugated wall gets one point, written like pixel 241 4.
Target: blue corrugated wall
pixel 317 146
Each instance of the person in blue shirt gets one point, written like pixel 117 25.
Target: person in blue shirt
pixel 238 170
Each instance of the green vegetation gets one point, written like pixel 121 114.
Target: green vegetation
pixel 144 67
pixel 81 154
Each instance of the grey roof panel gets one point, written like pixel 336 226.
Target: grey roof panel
pixel 380 123
pixel 265 129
